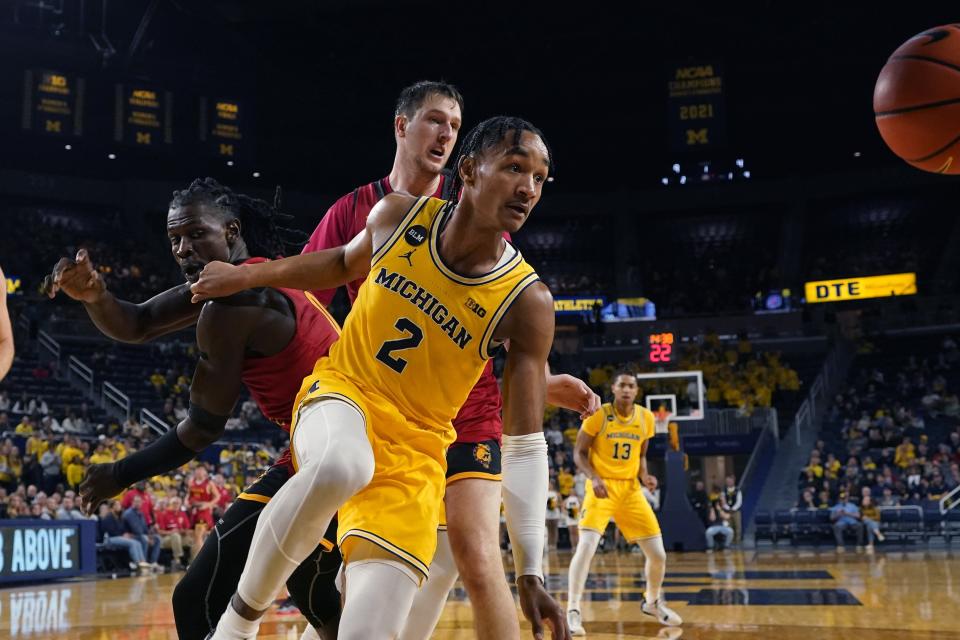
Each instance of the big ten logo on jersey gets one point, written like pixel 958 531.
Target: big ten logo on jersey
pixel 415 235
pixel 474 306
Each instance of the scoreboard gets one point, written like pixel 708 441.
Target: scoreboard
pixel 660 347
pixel 53 103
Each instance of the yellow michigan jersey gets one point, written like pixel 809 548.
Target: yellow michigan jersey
pixel 615 456
pixel 412 348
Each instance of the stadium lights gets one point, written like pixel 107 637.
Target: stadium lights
pixel 706 168
pixel 740 163
pixel 683 179
pixel 664 181
pixel 68 147
pixel 256 174
pixel 746 174
pixel 229 163
pixel 676 168
pixel 112 156
pixel 856 154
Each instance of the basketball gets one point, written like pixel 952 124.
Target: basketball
pixel 917 100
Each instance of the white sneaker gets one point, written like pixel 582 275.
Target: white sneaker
pixel 664 614
pixel 575 623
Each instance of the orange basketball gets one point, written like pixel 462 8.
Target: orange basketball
pixel 917 100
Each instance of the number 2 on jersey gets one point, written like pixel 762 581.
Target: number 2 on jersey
pixel 621 450
pixel 404 325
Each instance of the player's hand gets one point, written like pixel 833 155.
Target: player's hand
pixel 76 278
pixel 572 393
pixel 541 609
pixel 98 486
pixel 218 280
pixel 599 488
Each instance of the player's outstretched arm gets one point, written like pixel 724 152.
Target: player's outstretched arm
pixel 213 393
pixel 6 332
pixel 325 269
pixel 568 392
pixel 118 319
pixel 529 327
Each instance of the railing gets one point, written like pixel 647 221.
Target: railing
pixel 110 396
pixel 83 372
pixel 803 419
pixel 758 466
pixel 46 341
pixel 950 501
pixel 153 421
pixel 727 422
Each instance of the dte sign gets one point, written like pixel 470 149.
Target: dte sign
pixel 837 291
pixel 893 284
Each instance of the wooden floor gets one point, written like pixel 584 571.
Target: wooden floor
pixel 783 595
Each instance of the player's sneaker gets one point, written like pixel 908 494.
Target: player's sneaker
pixel 575 622
pixel 664 614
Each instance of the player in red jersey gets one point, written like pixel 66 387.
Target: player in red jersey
pixel 202 495
pixel 267 339
pixel 427 120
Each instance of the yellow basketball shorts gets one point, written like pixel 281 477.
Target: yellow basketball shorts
pixel 625 504
pixel 400 509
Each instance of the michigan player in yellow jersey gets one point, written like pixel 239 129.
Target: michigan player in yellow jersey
pixel 611 451
pixel 373 421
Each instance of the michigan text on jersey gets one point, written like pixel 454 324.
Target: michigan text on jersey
pixel 427 303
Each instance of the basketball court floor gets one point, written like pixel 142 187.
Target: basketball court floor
pixel 773 594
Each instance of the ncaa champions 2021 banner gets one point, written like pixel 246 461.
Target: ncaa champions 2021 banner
pixel 36 550
pixel 695 107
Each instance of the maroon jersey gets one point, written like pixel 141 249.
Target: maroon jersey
pixel 274 381
pixel 479 417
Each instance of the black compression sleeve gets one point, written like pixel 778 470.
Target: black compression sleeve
pixel 163 454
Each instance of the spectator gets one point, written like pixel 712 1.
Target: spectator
pixel 173 527
pixel 651 491
pixel 110 530
pixel 25 427
pixel 846 515
pixel 51 464
pixel 807 501
pixel 73 424
pixel 139 490
pixel 700 501
pixel 24 404
pixel 553 516
pixel 571 509
pixel 718 523
pixel 4 402
pixel 871 520
pixel 134 523
pixel 731 501
pixel 68 510
pixel 905 453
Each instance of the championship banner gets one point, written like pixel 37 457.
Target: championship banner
pixel 223 127
pixel 143 115
pixel 894 284
pixel 42 549
pixel 695 105
pixel 53 103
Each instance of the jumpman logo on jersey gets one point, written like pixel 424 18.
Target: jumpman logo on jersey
pixel 406 256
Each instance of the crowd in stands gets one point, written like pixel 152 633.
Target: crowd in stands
pixel 891 438
pixel 734 375
pixel 168 512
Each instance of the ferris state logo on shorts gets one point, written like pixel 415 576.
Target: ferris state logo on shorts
pixel 482 454
pixel 415 235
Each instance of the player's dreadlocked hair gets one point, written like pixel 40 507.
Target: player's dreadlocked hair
pixel 489 134
pixel 259 220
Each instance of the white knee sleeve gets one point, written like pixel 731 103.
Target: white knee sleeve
pixel 380 593
pixel 656 565
pixel 336 461
pixel 580 567
pixel 430 600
